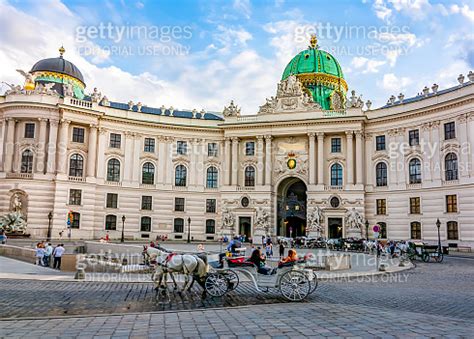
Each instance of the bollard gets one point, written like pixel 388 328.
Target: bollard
pixel 80 274
pixel 382 267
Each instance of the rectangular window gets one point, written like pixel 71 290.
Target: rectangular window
pixel 149 145
pixel 381 206
pixel 76 220
pixel 336 145
pixel 250 148
pixel 451 203
pixel 179 204
pixel 212 149
pixel 210 226
pixel 145 224
pixel 78 135
pixel 182 147
pixel 178 225
pixel 449 130
pixel 115 140
pixel 147 202
pixel 380 143
pixel 112 200
pixel 453 233
pixel 211 206
pixel 415 206
pixel 414 137
pixel 110 223
pixel 29 130
pixel 75 197
pixel 415 230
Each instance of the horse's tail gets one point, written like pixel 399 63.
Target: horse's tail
pixel 203 268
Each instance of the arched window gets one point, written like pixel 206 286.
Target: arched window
pixel 383 230
pixel 27 161
pixel 210 226
pixel 381 174
pixel 336 175
pixel 451 166
pixel 179 225
pixel 212 177
pixel 145 224
pixel 76 165
pixel 249 176
pixel 148 173
pixel 110 222
pixel 415 230
pixel 180 175
pixel 414 170
pixel 452 228
pixel 76 220
pixel 113 170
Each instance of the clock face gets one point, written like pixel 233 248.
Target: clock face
pixel 291 163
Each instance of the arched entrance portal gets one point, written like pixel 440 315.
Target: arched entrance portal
pixel 291 208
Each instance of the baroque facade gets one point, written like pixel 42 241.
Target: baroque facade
pixel 311 161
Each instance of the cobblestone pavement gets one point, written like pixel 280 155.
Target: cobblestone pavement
pixel 432 299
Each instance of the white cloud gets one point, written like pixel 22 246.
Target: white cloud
pixel 465 10
pixel 229 38
pixel 381 10
pixel 365 65
pixel 391 82
pixel 243 6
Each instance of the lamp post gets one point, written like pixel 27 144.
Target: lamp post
pixel 122 239
pixel 189 230
pixel 50 217
pixel 438 225
pixel 366 229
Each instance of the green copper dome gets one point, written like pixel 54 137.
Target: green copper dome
pixel 321 74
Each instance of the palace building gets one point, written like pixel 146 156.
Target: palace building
pixel 314 160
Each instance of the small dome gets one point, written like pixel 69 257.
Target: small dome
pixel 321 75
pixel 58 65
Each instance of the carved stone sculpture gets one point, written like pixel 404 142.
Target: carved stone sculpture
pixel 232 110
pixel 15 220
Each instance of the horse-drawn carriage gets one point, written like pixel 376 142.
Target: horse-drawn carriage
pixel 218 274
pixel 424 252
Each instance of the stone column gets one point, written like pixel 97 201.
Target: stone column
pixel 312 158
pixel 92 151
pixel 260 165
pixel 359 158
pixel 320 158
pixel 400 173
pixel 235 161
pixel 392 167
pixel 368 160
pixel 470 150
pixel 268 159
pixel 137 149
pixel 437 141
pixel 62 147
pixel 53 137
pixel 463 161
pixel 128 158
pixel 9 144
pixel 349 157
pixel 161 160
pixel 2 143
pixel 227 162
pixel 41 154
pixel 425 150
pixel 101 165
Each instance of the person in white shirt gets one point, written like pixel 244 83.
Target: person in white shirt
pixel 47 255
pixel 57 254
pixel 39 254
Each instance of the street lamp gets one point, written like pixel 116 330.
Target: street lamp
pixel 50 217
pixel 366 229
pixel 438 224
pixel 189 230
pixel 122 239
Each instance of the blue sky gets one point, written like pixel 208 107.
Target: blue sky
pixel 202 54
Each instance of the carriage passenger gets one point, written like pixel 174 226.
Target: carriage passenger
pixel 292 256
pixel 259 260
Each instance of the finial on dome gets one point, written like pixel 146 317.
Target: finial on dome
pixel 61 51
pixel 313 41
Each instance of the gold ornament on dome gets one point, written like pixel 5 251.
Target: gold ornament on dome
pixel 313 41
pixel 329 80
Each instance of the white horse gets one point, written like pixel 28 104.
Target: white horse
pixel 369 245
pixel 189 265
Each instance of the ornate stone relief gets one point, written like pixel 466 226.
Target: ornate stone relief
pixel 231 111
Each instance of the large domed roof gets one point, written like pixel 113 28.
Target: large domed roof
pixel 321 74
pixel 58 65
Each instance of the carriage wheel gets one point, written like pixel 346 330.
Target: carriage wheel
pixel 232 280
pixel 216 284
pixel 439 257
pixel 314 283
pixel 425 257
pixel 295 286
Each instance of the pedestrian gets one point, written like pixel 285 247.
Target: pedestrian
pixel 269 249
pixel 3 237
pixel 282 249
pixel 47 255
pixel 57 254
pixel 107 237
pixel 39 254
pixel 263 240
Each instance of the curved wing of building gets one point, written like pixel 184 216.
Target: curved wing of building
pixel 311 161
